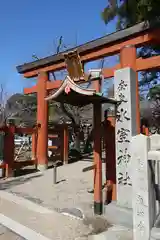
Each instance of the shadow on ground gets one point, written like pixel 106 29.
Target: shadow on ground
pixel 9 183
pixel 24 171
pixel 28 173
pixel 28 197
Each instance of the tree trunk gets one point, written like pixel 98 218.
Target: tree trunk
pixel 77 142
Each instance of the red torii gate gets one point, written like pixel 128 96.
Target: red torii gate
pixel 124 42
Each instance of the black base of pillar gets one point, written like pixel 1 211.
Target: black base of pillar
pixel 98 208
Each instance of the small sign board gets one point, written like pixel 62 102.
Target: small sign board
pixel 74 66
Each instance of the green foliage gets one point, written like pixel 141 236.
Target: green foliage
pixel 154 93
pixel 128 13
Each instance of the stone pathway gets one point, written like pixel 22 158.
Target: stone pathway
pixel 7 234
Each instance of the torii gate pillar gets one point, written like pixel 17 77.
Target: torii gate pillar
pixel 42 122
pixel 128 56
pixel 98 206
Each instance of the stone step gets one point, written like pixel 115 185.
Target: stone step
pixel 118 215
pixel 113 233
pixel 155 233
pixel 42 225
pixel 17 231
pixel 7 234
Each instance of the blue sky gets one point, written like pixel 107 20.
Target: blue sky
pixel 33 26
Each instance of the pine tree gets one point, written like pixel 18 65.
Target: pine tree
pixel 129 13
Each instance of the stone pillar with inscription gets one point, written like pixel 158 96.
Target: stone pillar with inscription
pixel 143 189
pixel 155 147
pixel 125 93
pixel 155 142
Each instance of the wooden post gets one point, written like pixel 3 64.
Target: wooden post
pixel 145 130
pixel 9 150
pixel 34 146
pixel 61 143
pixel 110 157
pixel 128 56
pixel 54 173
pixel 98 202
pixel 98 206
pixel 65 146
pixel 97 85
pixel 42 121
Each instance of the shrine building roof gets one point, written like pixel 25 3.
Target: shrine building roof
pixel 71 93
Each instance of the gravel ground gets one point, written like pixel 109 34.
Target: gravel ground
pixel 6 234
pixel 71 190
pixel 52 225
